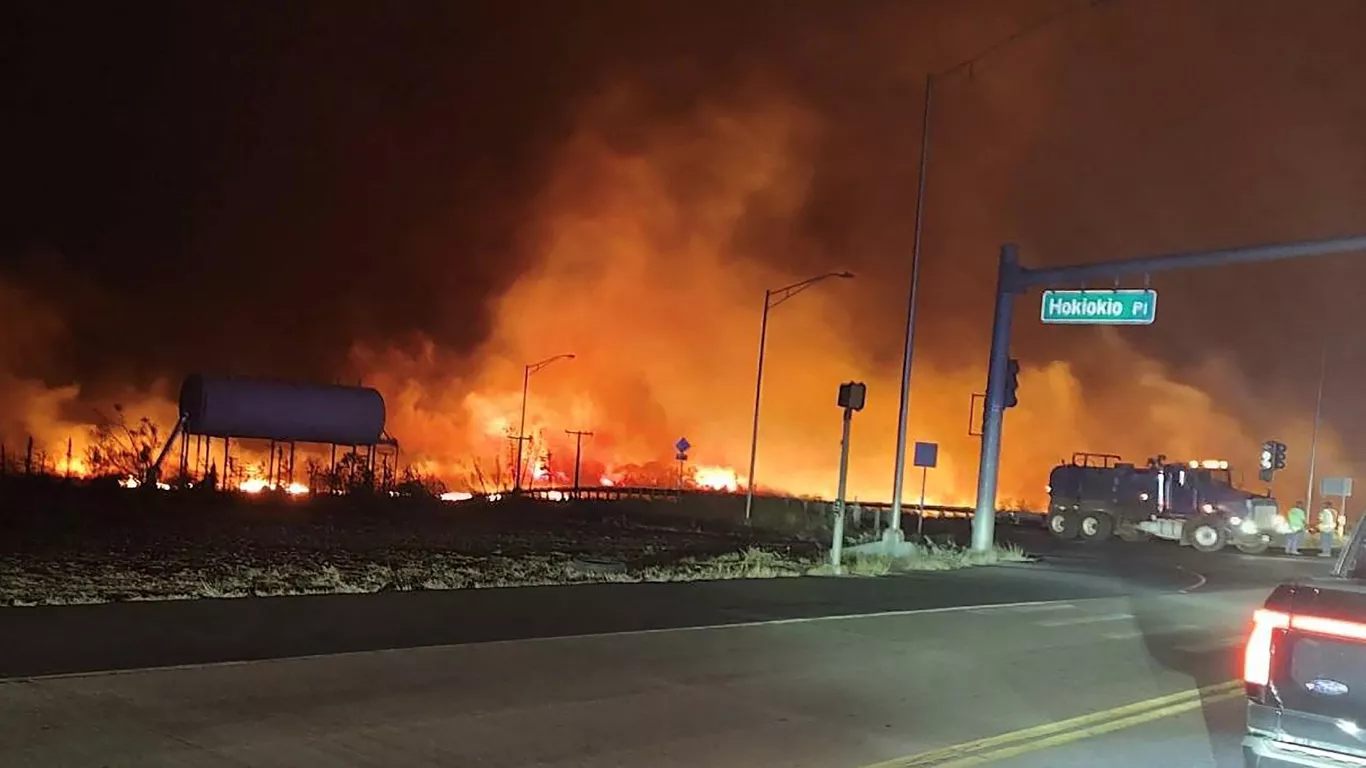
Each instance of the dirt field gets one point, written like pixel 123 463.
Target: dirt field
pixel 64 544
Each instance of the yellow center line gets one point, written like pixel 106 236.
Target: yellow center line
pixel 1064 731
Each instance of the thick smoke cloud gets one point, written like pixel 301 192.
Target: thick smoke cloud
pixel 636 183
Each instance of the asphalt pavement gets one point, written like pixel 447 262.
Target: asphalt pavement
pixel 1010 665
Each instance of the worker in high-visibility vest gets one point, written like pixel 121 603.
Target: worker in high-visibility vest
pixel 1328 524
pixel 1295 521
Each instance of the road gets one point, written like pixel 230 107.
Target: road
pixel 797 672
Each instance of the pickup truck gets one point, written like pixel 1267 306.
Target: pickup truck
pixel 1304 669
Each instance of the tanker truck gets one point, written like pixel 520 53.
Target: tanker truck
pixel 1097 496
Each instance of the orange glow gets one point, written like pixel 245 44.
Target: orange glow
pixel 648 259
pixel 716 478
pixel 257 485
pixel 643 266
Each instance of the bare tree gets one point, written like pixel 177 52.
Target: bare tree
pixel 497 478
pixel 354 473
pixel 120 449
pixel 419 484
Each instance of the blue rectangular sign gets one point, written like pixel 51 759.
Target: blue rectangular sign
pixel 926 455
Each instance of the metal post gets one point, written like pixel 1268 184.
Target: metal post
pixel 837 536
pixel 291 462
pixel 920 519
pixel 1314 440
pixel 903 416
pixel 521 432
pixel 984 518
pixel 754 432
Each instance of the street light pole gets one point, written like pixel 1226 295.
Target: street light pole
pixel 521 427
pixel 772 298
pixel 758 390
pixel 1314 439
pixel 903 415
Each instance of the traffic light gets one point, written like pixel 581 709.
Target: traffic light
pixel 1272 459
pixel 1012 382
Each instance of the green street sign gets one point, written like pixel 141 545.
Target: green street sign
pixel 1122 307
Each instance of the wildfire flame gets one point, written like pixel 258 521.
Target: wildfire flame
pixel 716 479
pixel 259 485
pixel 646 258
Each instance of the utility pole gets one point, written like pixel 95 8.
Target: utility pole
pixel 579 435
pixel 1013 279
pixel 1314 441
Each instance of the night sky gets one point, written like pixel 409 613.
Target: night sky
pixel 263 188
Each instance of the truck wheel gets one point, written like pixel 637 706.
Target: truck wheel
pixel 1095 526
pixel 1207 533
pixel 1252 545
pixel 1063 524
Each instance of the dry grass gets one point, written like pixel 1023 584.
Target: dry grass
pixel 75 581
pixel 928 556
pixel 229 572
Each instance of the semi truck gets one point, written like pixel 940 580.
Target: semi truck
pixel 1098 496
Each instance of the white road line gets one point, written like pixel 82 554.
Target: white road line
pixel 549 639
pixel 1044 607
pixel 1199 580
pixel 1085 620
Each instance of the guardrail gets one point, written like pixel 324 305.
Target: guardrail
pixel 619 493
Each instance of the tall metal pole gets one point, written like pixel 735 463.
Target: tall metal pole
pixel 984 517
pixel 920 516
pixel 903 416
pixel 521 432
pixel 837 533
pixel 521 427
pixel 1314 440
pixel 758 389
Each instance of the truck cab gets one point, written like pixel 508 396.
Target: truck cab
pixel 1304 670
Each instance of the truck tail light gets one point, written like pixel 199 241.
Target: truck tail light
pixel 1257 657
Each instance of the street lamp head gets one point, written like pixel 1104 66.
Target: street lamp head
pixel 845 274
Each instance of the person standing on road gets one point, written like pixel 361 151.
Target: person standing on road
pixel 1328 525
pixel 1295 519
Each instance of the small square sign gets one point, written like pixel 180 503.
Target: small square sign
pixel 926 455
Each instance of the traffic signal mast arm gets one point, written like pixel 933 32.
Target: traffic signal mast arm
pixel 1109 270
pixel 1013 279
